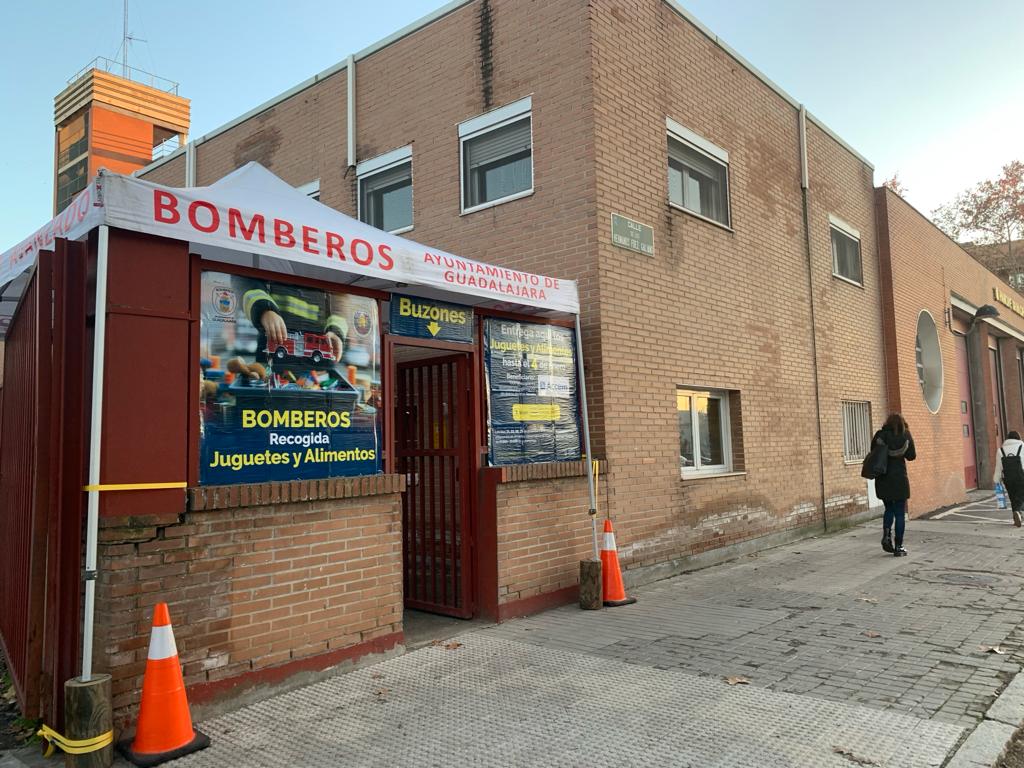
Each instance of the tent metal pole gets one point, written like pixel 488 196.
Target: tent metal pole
pixel 586 435
pixel 95 433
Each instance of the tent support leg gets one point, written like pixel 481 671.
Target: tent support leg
pixel 95 433
pixel 586 435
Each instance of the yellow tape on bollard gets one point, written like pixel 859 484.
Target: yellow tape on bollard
pixel 73 746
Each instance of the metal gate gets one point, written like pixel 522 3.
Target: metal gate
pixel 432 448
pixel 21 615
pixel 41 474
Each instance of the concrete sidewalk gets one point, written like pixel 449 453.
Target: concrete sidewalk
pixel 826 652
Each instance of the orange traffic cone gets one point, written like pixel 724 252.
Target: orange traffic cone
pixel 611 576
pixel 164 731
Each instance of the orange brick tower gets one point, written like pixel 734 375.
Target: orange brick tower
pixel 121 122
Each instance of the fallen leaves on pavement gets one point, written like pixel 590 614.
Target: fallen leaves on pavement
pixel 849 755
pixel 871 633
pixel 992 649
pixel 737 680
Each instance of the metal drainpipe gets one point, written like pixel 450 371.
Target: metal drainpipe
pixel 804 186
pixel 190 164
pixel 350 70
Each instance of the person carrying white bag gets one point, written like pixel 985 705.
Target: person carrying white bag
pixel 1010 472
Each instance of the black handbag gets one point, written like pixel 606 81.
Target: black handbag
pixel 876 462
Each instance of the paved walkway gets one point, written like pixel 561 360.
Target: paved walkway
pixel 822 653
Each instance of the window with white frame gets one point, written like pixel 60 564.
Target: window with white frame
pixel 311 190
pixel 704 431
pixel 698 174
pixel 845 251
pixel 856 429
pixel 385 190
pixel 497 156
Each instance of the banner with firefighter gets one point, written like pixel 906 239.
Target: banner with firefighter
pixel 289 382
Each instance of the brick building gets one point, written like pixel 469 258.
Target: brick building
pixel 749 303
pixel 781 370
pixel 1005 259
pixel 957 379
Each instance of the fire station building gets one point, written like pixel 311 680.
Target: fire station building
pixel 750 309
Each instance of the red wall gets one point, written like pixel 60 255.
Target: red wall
pixel 148 373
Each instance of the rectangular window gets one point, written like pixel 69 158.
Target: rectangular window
pixel 845 251
pixel 705 445
pixel 311 190
pixel 497 156
pixel 71 181
pixel 856 429
pixel 385 198
pixel 698 174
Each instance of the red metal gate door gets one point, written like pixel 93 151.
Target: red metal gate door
pixel 432 449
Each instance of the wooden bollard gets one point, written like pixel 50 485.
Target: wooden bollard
pixel 87 715
pixel 590 585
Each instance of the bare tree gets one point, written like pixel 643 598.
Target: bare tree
pixel 989 212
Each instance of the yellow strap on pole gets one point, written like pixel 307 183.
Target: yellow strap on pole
pixel 132 486
pixel 597 485
pixel 73 746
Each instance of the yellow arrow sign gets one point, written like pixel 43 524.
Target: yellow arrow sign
pixel 433 327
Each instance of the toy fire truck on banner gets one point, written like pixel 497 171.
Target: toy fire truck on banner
pixel 314 346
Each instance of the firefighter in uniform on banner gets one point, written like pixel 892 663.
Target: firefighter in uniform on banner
pixel 283 314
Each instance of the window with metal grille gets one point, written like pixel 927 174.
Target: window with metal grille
pixel 856 429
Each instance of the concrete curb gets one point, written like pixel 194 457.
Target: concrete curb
pixel 987 743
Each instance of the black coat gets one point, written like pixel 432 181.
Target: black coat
pixel 894 484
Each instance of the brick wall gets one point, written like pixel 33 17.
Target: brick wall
pixel 717 308
pixel 927 270
pixel 171 173
pixel 1004 259
pixel 723 308
pixel 543 531
pixel 255 592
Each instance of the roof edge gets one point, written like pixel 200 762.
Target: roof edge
pixel 681 11
pixel 394 37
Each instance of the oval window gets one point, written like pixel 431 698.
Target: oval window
pixel 929 361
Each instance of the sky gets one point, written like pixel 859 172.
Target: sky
pixel 931 89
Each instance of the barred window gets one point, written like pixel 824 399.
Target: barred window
pixel 856 429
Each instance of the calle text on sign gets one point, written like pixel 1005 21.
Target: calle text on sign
pixel 632 235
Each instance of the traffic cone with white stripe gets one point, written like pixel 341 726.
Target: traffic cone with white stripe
pixel 164 731
pixel 611 577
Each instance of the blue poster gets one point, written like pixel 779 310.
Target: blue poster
pixel 532 404
pixel 289 382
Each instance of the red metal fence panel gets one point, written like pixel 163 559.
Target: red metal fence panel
pixel 17 490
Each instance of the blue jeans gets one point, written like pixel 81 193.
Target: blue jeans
pixel 897 510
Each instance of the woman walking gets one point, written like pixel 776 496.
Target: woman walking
pixel 1010 472
pixel 893 488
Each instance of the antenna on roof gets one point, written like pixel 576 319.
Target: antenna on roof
pixel 125 40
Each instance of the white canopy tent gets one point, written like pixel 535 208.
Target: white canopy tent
pixel 253 218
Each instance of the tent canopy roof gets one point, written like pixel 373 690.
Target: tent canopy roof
pixel 253 218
